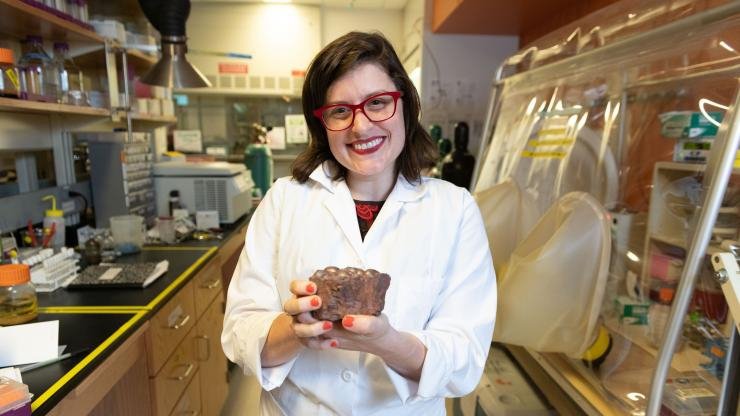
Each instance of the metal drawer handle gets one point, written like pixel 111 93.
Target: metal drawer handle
pixel 212 284
pixel 181 323
pixel 185 374
pixel 208 347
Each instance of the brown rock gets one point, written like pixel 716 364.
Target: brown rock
pixel 349 291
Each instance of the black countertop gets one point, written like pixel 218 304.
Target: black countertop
pixel 99 320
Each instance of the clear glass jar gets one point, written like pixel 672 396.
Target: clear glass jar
pixel 18 302
pixel 9 82
pixel 38 82
pixel 68 77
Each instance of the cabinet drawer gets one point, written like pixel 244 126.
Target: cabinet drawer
pixel 169 327
pixel 207 285
pixel 179 370
pixel 189 404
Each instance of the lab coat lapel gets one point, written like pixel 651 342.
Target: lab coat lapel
pixel 339 203
pixel 342 208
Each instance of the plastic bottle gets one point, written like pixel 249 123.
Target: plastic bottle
pixel 9 81
pixel 68 76
pixel 258 158
pixel 38 82
pixel 18 301
pixel 54 218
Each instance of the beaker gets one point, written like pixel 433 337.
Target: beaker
pixel 128 232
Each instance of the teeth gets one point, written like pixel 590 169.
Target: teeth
pixel 363 146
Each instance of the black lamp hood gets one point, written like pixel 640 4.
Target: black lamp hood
pixel 173 68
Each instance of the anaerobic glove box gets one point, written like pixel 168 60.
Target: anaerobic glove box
pixel 211 186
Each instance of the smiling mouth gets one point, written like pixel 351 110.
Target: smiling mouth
pixel 367 146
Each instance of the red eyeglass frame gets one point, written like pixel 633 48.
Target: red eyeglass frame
pixel 318 113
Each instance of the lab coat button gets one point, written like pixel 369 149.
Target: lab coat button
pixel 347 375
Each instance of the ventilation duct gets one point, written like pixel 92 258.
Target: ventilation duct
pixel 173 69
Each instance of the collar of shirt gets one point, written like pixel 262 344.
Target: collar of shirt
pixel 403 190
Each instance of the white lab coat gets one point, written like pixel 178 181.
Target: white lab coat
pixel 428 237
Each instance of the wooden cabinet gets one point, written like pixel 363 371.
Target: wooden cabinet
pixel 169 327
pixel 184 348
pixel 190 402
pixel 211 359
pixel 170 382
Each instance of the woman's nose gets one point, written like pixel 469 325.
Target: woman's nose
pixel 361 122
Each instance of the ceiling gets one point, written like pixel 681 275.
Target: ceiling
pixel 351 4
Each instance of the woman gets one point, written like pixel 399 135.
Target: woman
pixel 357 199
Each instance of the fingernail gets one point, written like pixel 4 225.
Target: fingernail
pixel 333 344
pixel 311 288
pixel 348 321
pixel 315 301
pixel 327 325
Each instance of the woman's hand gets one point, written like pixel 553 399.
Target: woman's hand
pixel 364 333
pixel 308 330
pixel 401 351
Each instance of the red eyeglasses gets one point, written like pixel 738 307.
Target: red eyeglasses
pixel 379 107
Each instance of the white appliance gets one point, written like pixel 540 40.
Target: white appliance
pixel 205 186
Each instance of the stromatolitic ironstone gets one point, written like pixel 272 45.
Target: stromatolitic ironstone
pixel 349 291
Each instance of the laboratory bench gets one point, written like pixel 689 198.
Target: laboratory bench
pixel 151 351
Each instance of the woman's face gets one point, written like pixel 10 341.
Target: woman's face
pixel 367 149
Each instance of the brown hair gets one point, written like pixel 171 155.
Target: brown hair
pixel 335 60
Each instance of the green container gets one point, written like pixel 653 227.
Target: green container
pixel 258 158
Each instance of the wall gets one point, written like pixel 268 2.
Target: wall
pixel 280 37
pixel 457 71
pixel 336 22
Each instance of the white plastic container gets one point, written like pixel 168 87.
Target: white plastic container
pixel 54 222
pixel 15 399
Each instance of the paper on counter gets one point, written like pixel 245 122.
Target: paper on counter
pixel 28 343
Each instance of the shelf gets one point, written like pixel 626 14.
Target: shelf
pixel 24 106
pixel 19 19
pixel 711 249
pixel 95 58
pixel 688 359
pixel 236 92
pixel 150 119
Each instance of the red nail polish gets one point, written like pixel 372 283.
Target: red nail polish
pixel 315 302
pixel 348 321
pixel 327 325
pixel 333 344
pixel 311 288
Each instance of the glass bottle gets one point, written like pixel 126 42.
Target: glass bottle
pixel 73 9
pixel 38 82
pixel 69 77
pixel 9 82
pixel 84 14
pixel 18 301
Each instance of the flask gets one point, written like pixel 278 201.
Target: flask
pixel 54 223
pixel 36 71
pixel 18 301
pixel 68 77
pixel 9 82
